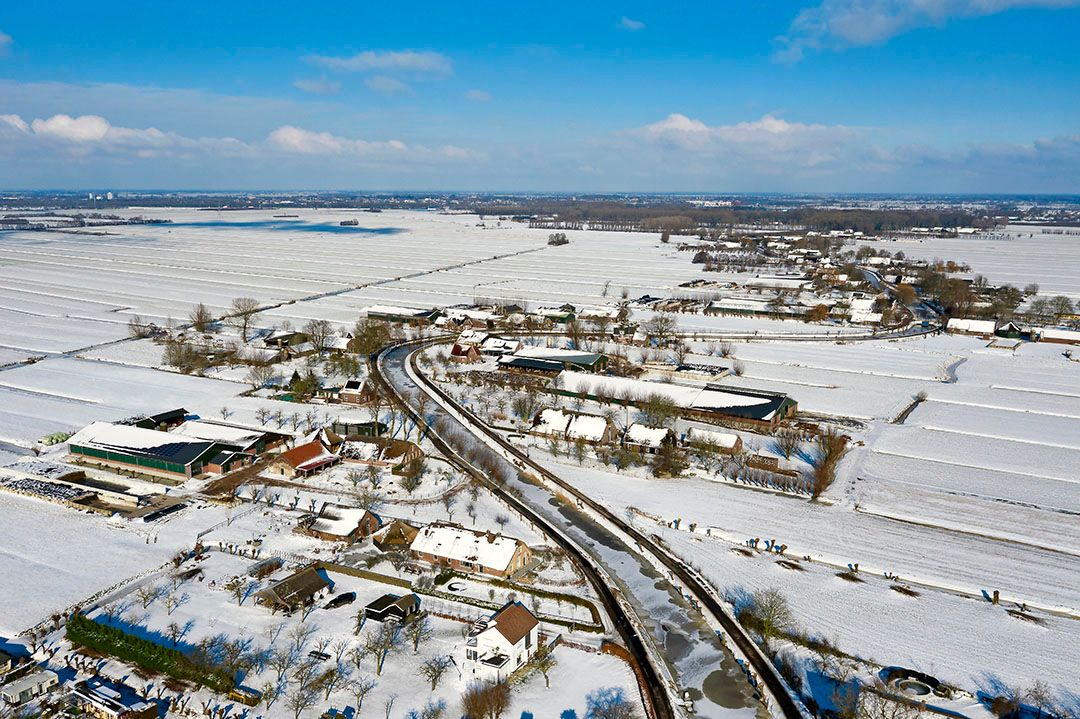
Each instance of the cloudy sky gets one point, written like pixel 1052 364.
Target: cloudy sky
pixel 827 95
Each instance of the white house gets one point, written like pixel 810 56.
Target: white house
pixel 498 645
pixel 27 687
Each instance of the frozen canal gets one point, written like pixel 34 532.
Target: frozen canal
pixel 698 660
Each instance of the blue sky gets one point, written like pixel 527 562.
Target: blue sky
pixel 830 95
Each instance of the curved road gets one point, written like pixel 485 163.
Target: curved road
pixel 690 650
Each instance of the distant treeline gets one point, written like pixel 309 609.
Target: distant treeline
pixel 683 217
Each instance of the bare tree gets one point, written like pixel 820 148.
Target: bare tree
pixel 545 662
pixel 609 703
pixel 419 630
pixel 302 698
pixel 319 333
pixel 201 318
pixel 258 377
pixel 359 689
pixel 244 312
pixel 380 643
pixel 788 441
pixel 434 668
pixel 485 701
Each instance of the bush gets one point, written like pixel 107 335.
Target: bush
pixel 558 238
pixel 146 654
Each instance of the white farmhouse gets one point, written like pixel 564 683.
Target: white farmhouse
pixel 498 645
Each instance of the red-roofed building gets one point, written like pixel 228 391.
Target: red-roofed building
pixel 303 460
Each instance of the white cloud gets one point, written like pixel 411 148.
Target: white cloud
pixel 630 25
pixel 837 24
pixel 478 95
pixel 768 142
pixel 16 122
pixel 298 141
pixel 89 134
pixel 320 86
pixel 85 128
pixel 412 61
pixel 5 42
pixel 386 85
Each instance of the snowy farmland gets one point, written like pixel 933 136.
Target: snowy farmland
pixel 1016 255
pixel 961 478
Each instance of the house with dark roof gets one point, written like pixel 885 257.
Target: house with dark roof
pixel 297 590
pixel 392 606
pixel 161 420
pixel 499 645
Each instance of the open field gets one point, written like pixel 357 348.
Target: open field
pixel 1018 255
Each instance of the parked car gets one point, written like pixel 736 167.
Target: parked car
pixel 341 600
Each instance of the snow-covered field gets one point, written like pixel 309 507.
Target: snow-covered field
pixel 1016 255
pixel 974 490
pixel 65 394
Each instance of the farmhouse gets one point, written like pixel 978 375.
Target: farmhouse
pixel 464 354
pixel 357 391
pixel 723 441
pixel 572 426
pixel 161 454
pixel 303 460
pixel 104 699
pixel 472 337
pixel 497 346
pixel 392 606
pixel 718 404
pixel 963 326
pixel 500 644
pixel 468 550
pixel 297 590
pixel 648 440
pixel 337 523
pixel 381 451
pixel 22 690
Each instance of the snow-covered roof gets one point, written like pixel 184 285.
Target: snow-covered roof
pixel 709 398
pixel 558 354
pixel 472 337
pixel 395 310
pixel 124 436
pixel 575 426
pixel 644 435
pixel 962 324
pixel 1060 334
pixel 725 440
pixel 551 421
pixel 466 545
pixel 500 345
pixel 214 432
pixel 587 426
pixel 338 521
